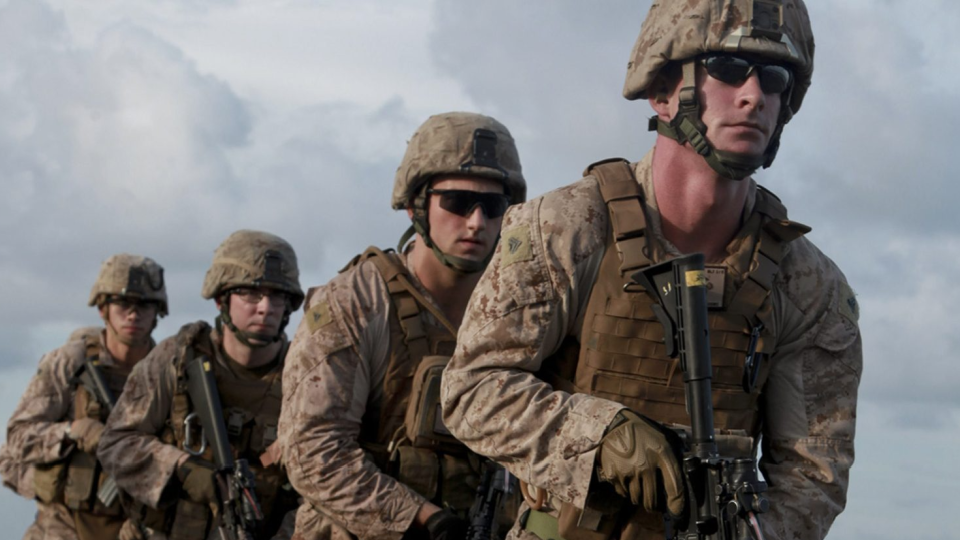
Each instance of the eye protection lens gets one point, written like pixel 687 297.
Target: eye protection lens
pixel 774 78
pixel 254 296
pixel 462 202
pixel 126 305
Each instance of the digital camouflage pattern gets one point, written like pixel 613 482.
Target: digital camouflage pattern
pixel 333 389
pixel 253 259
pixel 37 432
pixel 130 447
pixel 131 276
pixel 533 296
pixel 444 144
pixel 676 31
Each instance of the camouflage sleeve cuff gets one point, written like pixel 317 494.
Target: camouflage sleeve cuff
pixel 579 439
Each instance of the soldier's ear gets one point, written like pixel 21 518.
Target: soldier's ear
pixel 410 212
pixel 103 309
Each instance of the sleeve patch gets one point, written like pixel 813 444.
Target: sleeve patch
pixel 318 316
pixel 849 307
pixel 516 246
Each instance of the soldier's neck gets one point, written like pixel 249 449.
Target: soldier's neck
pixel 125 355
pixel 450 289
pixel 700 210
pixel 249 357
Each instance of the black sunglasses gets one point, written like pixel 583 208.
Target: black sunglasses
pixel 774 78
pixel 462 202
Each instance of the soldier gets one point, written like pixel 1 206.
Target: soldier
pixel 360 427
pixel 54 431
pixel 254 282
pixel 558 363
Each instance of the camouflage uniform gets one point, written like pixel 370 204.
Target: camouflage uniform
pixel 40 460
pixel 139 445
pixel 335 391
pixel 36 433
pixel 365 340
pixel 146 434
pixel 533 298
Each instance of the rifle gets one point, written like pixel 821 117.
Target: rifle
pixel 494 484
pixel 724 495
pixel 241 515
pixel 93 380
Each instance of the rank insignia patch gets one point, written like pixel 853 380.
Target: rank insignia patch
pixel 516 246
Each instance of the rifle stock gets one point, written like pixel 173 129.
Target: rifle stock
pixel 241 515
pixel 724 495
pixel 494 485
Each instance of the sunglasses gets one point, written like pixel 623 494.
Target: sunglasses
pixel 462 202
pixel 733 70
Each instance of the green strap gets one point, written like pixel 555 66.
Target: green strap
pixel 543 525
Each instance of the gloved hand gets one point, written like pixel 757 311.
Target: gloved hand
pixel 445 525
pixel 86 432
pixel 130 531
pixel 631 453
pixel 198 479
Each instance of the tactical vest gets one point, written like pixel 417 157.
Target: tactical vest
pixel 75 480
pixel 620 354
pixel 251 410
pixel 446 473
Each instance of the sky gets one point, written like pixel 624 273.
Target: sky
pixel 158 128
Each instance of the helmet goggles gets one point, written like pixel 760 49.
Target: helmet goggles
pixel 462 202
pixel 734 70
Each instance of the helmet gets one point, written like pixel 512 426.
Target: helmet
pixel 130 276
pixel 253 259
pixel 778 30
pixel 460 143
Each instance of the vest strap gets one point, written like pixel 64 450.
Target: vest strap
pixel 624 199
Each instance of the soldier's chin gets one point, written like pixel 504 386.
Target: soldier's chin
pixel 259 339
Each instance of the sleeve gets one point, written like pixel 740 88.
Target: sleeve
pixel 526 303
pixel 37 431
pixel 130 450
pixel 810 405
pixel 326 388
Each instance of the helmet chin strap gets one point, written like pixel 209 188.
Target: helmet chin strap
pixel 686 127
pixel 421 226
pixel 263 340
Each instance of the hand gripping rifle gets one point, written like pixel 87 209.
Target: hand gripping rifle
pixel 494 485
pixel 724 495
pixel 241 514
pixel 93 380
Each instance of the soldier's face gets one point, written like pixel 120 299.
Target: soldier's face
pixel 739 118
pixel 261 317
pixel 470 237
pixel 130 322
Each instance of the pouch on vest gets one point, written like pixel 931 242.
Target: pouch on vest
pixel 599 521
pixel 419 469
pixel 49 480
pixel 424 420
pixel 81 479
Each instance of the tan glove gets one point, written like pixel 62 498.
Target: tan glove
pixel 130 531
pixel 198 480
pixel 631 454
pixel 86 432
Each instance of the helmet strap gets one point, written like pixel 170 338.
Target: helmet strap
pixel 687 127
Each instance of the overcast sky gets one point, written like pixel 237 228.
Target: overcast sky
pixel 158 128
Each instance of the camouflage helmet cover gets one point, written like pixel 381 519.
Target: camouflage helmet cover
pixel 673 31
pixel 254 259
pixel 130 276
pixel 459 143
